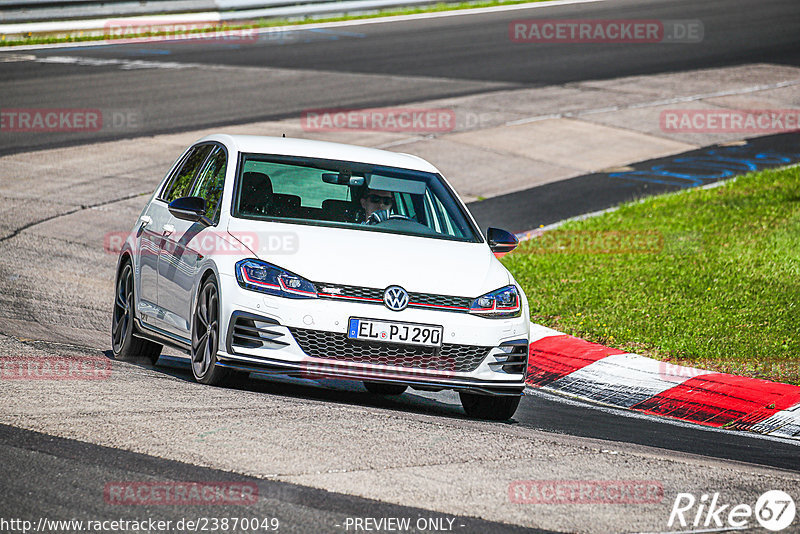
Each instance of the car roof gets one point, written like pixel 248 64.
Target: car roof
pixel 288 146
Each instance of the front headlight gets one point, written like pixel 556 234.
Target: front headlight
pixel 500 303
pixel 257 275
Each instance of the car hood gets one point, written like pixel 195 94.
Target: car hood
pixel 374 259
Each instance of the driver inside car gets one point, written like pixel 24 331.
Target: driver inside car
pixel 377 206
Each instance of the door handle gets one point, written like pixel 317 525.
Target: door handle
pixel 168 229
pixel 145 220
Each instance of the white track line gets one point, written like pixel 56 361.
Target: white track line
pixel 213 16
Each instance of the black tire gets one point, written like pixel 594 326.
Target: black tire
pixel 385 389
pixel 500 408
pixel 205 336
pixel 124 344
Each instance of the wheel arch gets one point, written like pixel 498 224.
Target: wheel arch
pixel 208 270
pixel 208 273
pixel 124 257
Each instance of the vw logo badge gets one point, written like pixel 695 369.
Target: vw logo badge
pixel 395 298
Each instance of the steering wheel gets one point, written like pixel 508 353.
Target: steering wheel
pixel 378 219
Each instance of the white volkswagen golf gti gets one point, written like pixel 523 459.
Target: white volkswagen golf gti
pixel 322 260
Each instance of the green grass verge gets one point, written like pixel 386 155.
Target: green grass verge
pixel 707 278
pixel 99 35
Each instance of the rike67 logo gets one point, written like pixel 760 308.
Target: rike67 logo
pixel 774 510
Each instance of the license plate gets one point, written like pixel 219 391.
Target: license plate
pixel 390 332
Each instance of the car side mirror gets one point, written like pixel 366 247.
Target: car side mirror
pixel 188 208
pixel 501 241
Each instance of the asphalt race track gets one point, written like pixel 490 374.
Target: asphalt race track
pixel 375 65
pixel 32 457
pixel 321 453
pixel 547 204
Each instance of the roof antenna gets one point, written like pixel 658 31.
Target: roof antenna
pixel 284 135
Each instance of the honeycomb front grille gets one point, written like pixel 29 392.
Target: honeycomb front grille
pixel 355 292
pixel 429 299
pixel 336 346
pixel 373 295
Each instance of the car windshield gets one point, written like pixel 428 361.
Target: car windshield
pixel 340 193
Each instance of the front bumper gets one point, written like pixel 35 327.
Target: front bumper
pixel 307 338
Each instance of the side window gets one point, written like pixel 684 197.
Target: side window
pixel 404 206
pixel 211 181
pixel 182 180
pixel 449 226
pixel 433 221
